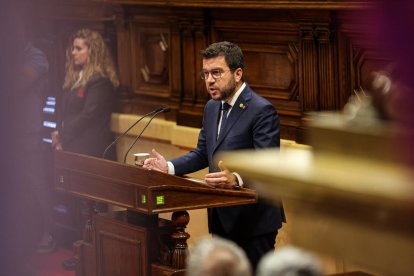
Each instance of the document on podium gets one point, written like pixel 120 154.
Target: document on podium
pixel 200 181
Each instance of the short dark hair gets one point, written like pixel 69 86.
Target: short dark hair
pixel 231 52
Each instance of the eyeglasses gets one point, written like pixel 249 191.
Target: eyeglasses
pixel 215 73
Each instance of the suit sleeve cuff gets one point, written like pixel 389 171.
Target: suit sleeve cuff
pixel 171 169
pixel 239 179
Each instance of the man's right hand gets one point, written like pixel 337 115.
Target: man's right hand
pixel 157 162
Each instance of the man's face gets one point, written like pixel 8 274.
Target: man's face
pixel 223 86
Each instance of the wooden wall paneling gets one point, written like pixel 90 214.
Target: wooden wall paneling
pixel 124 44
pixel 319 90
pixel 352 38
pixel 344 66
pixel 189 60
pixel 150 59
pixel 194 95
pixel 362 53
pixel 144 58
pixel 270 43
pixel 258 4
pixel 365 62
pixel 327 80
pixel 75 10
pixel 164 62
pixel 272 72
pixel 291 110
pixel 309 69
pixel 126 95
pixel 176 67
pixel 202 41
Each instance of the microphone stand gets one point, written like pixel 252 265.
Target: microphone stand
pixel 126 131
pixel 165 109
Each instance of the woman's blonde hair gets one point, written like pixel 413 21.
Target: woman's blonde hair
pixel 99 61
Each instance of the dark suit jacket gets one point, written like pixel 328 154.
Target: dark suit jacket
pixel 86 118
pixel 253 123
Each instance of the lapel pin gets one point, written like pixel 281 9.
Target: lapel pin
pixel 242 106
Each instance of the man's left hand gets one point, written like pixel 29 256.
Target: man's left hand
pixel 223 179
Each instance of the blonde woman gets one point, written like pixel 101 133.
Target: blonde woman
pixel 89 94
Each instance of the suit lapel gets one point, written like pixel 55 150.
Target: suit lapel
pixel 216 118
pixel 240 106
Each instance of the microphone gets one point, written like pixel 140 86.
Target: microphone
pixel 126 131
pixel 163 110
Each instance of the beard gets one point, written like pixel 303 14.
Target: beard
pixel 227 90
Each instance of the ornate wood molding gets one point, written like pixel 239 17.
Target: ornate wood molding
pixel 258 4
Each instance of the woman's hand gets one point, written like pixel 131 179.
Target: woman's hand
pixel 56 144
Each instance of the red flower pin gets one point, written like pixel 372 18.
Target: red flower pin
pixel 80 93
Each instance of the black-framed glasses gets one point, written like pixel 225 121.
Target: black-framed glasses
pixel 215 73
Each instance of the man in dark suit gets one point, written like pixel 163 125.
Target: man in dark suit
pixel 235 118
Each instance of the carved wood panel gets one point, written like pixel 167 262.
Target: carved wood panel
pixel 193 94
pixel 359 55
pixel 122 248
pixel 150 56
pixel 327 80
pixel 270 44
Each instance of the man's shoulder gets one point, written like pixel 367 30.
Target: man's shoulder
pixel 256 98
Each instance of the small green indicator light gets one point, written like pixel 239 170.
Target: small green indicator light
pixel 160 200
pixel 143 199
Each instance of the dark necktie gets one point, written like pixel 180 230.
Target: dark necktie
pixel 225 107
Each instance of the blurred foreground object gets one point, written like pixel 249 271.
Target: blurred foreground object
pixel 350 194
pixel 372 124
pixel 353 208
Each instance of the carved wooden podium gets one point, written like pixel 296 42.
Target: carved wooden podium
pixel 136 241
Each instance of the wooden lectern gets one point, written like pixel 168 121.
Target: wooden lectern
pixel 136 241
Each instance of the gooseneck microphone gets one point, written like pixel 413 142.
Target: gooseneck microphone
pixel 126 131
pixel 163 110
